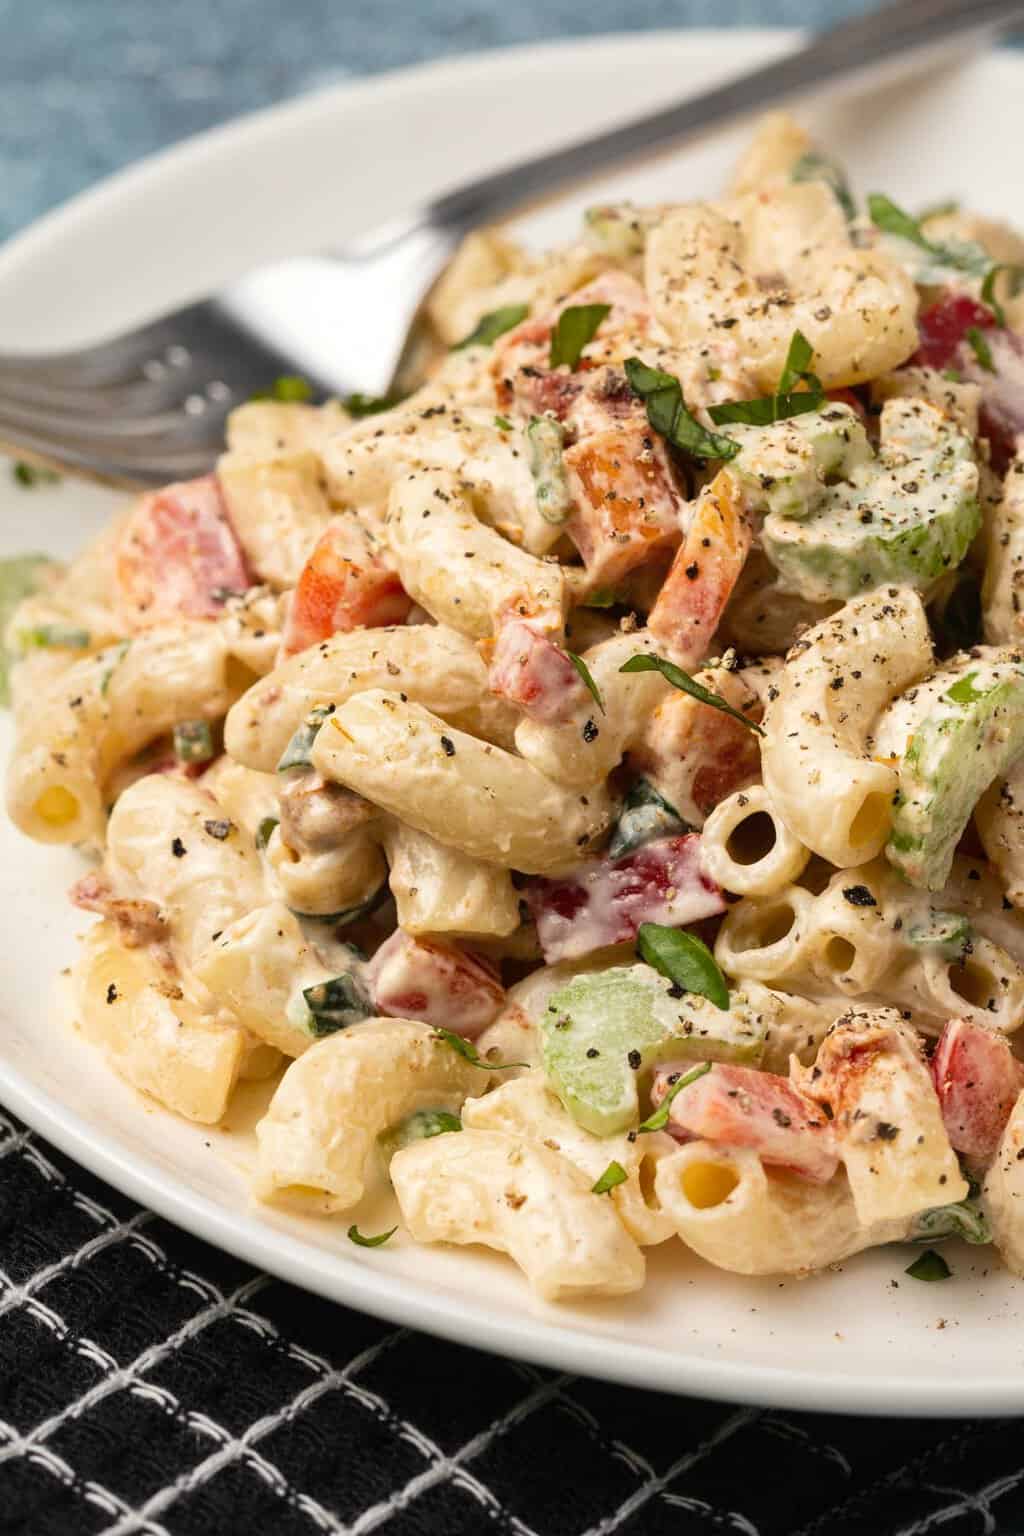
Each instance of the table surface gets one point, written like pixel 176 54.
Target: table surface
pixel 149 1383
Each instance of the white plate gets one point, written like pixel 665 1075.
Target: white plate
pixel 292 180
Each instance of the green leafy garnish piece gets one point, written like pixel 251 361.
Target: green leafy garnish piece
pixel 662 394
pixel 289 389
pixel 296 753
pixel 980 348
pixel 120 651
pixel 588 681
pixel 29 475
pixel 601 597
pixel 193 741
pixel 614 1174
pixel 988 287
pixel 335 1004
pixel 966 1220
pixel 575 327
pixel 503 424
pixel 659 1119
pixel 787 400
pixel 645 662
pixel 929 1266
pixel 359 405
pixel 264 830
pixel 42 637
pixel 684 959
pixel 469 1052
pixel 963 690
pixel 19 578
pixel 815 166
pixel 355 1236
pixel 492 325
pixel 893 220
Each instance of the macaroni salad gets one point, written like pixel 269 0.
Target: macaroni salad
pixel 591 787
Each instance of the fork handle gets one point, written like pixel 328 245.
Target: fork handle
pixel 899 28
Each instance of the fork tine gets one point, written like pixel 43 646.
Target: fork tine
pixel 205 422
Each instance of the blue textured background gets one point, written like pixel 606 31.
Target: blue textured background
pixel 87 86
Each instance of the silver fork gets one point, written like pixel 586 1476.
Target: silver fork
pixel 150 405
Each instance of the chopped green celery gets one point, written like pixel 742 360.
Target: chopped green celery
pixel 946 933
pixel 419 1126
pixel 43 637
pixel 645 815
pixel 817 166
pixel 545 439
pixel 618 230
pixel 296 753
pixel 966 1220
pixel 784 466
pixel 908 516
pixel 603 1029
pixel 19 578
pixel 265 831
pixel 969 737
pixel 193 741
pixel 335 1004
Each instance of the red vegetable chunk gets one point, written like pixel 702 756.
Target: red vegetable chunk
pixel 604 902
pixel 437 983
pixel 977 1079
pixel 342 587
pixel 178 557
pixel 531 671
pixel 740 1107
pixel 943 326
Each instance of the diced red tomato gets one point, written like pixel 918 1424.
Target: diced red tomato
pixel 604 902
pixel 697 755
pixel 178 556
pixel 627 504
pixel 704 572
pixel 741 1107
pixel 341 587
pixel 977 1079
pixel 435 982
pixel 943 326
pixel 531 671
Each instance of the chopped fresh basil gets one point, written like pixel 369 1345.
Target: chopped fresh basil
pixel 659 1119
pixel 601 597
pixel 815 166
pixel 930 1266
pixel 29 475
pixel 588 681
pixel 953 375
pixel 265 829
pixel 419 1126
pixel 57 636
pixel 355 1236
pixel 118 655
pixel 686 961
pixel 645 662
pixel 492 325
pixel 966 1220
pixel 296 753
pixel 503 424
pixel 964 255
pixel 289 389
pixel 575 327
pixel 963 690
pixel 19 578
pixel 662 394
pixel 335 1004
pixel 787 401
pixel 645 815
pixel 371 405
pixel 469 1051
pixel 988 287
pixel 980 347
pixel 348 914
pixel 614 1174
pixel 193 741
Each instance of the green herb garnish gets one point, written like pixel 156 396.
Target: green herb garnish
pixel 601 597
pixel 659 1119
pixel 814 166
pixel 193 741
pixel 371 405
pixel 355 1236
pixel 662 394
pixel 980 348
pixel 492 325
pixel 614 1174
pixel 645 662
pixel 988 287
pixel 503 424
pixel 120 652
pixel 965 256
pixel 469 1052
pixel 335 1004
pixel 684 959
pixel 576 326
pixel 930 1266
pixel 963 691
pixel 265 829
pixel 787 401
pixel 296 753
pixel 29 475
pixel 289 389
pixel 588 681
pixel 42 637
pixel 20 576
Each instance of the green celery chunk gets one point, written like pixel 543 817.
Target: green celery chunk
pixel 193 741
pixel 908 516
pixel 545 439
pixel 645 815
pixel 970 737
pixel 603 1029
pixel 946 933
pixel 784 466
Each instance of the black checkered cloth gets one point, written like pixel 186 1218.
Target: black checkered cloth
pixel 150 1384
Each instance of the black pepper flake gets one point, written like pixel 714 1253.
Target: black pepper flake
pixel 886 1132
pixel 781 1118
pixel 634 1058
pixel 859 896
pixel 590 731
pixel 178 848
pixel 448 746
pixel 218 829
pixel 592 1051
pixel 112 993
pixel 692 571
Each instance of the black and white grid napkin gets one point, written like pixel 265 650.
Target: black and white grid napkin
pixel 151 1385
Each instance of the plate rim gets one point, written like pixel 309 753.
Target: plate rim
pixel 364 1283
